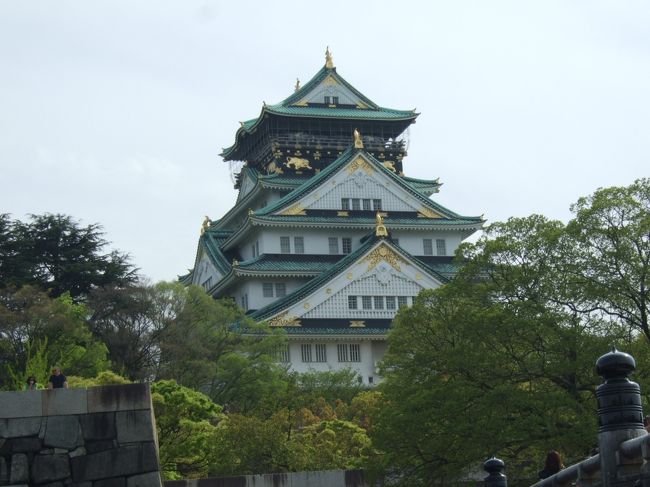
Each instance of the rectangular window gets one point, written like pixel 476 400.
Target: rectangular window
pixel 345 203
pixel 355 352
pixel 306 353
pixel 441 246
pixel 327 100
pixel 346 243
pixel 257 248
pixel 299 245
pixel 267 289
pixel 342 350
pixel 376 205
pixel 366 302
pixel 244 302
pixel 401 301
pixel 334 245
pixel 280 289
pixel 321 352
pixel 427 246
pixel 335 100
pixel 285 245
pixel 356 204
pixel 281 354
pixel 366 205
pixel 352 302
pixel 379 302
pixel 390 302
pixel 253 251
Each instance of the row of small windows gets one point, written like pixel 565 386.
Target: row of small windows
pixel 299 245
pixel 346 352
pixel 378 302
pixel 331 100
pixel 360 204
pixel 274 289
pixel 441 246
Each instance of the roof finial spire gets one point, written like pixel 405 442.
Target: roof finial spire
pixel 380 228
pixel 329 64
pixel 358 143
pixel 297 84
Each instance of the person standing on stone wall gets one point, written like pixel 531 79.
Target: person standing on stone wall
pixel 57 380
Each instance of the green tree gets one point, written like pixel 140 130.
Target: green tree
pixel 58 255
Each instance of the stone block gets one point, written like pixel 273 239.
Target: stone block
pixel 19 469
pixel 119 398
pixel 134 426
pixel 115 482
pixel 4 471
pixel 23 404
pixel 57 402
pixel 98 426
pixel 48 468
pixel 15 428
pixel 23 445
pixel 122 461
pixel 99 445
pixel 63 432
pixel 77 451
pixel 151 479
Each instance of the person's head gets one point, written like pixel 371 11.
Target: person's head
pixel 56 370
pixel 553 461
pixel 31 380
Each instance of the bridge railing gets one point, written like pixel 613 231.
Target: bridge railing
pixel 623 443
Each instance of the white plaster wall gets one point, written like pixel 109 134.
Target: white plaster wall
pixel 412 241
pixel 316 241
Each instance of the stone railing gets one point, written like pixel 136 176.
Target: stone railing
pixel 103 436
pixel 624 446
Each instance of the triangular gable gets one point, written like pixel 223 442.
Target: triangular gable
pixel 249 180
pixel 327 82
pixel 378 268
pixel 205 272
pixel 347 177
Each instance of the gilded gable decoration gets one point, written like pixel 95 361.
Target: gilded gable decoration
pixel 425 212
pixel 296 209
pixel 284 319
pixel 360 163
pixel 383 253
pixel 357 324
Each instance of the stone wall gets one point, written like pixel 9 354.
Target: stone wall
pixel 98 437
pixel 326 478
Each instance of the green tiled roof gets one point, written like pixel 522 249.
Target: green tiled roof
pixel 298 330
pixel 370 220
pixel 347 113
pixel 303 263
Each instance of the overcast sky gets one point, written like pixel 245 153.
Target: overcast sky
pixel 115 111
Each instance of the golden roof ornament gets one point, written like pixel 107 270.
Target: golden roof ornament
pixel 380 228
pixel 235 262
pixel 297 84
pixel 358 143
pixel 206 224
pixel 329 64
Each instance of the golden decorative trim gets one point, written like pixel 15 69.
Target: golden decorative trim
pixel 206 224
pixel 358 142
pixel 328 290
pixel 296 209
pixel 418 277
pixel 235 263
pixel 380 228
pixel 301 103
pixel 360 163
pixel 349 275
pixel 385 254
pixel 357 324
pixel 329 63
pixel 284 319
pixel 306 305
pixel 425 212
pixel 330 81
pixel 362 105
pixel 390 165
pixel 342 213
pixel 297 163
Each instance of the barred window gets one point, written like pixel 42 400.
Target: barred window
pixel 427 246
pixel 352 302
pixel 321 352
pixel 285 245
pixel 335 100
pixel 299 245
pixel 366 302
pixel 281 354
pixel 327 100
pixel 342 350
pixel 280 289
pixel 334 245
pixel 355 352
pixel 345 203
pixel 306 353
pixel 366 204
pixel 267 289
pixel 441 246
pixel 390 302
pixel 346 243
pixel 376 205
pixel 402 301
pixel 379 302
pixel 356 204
